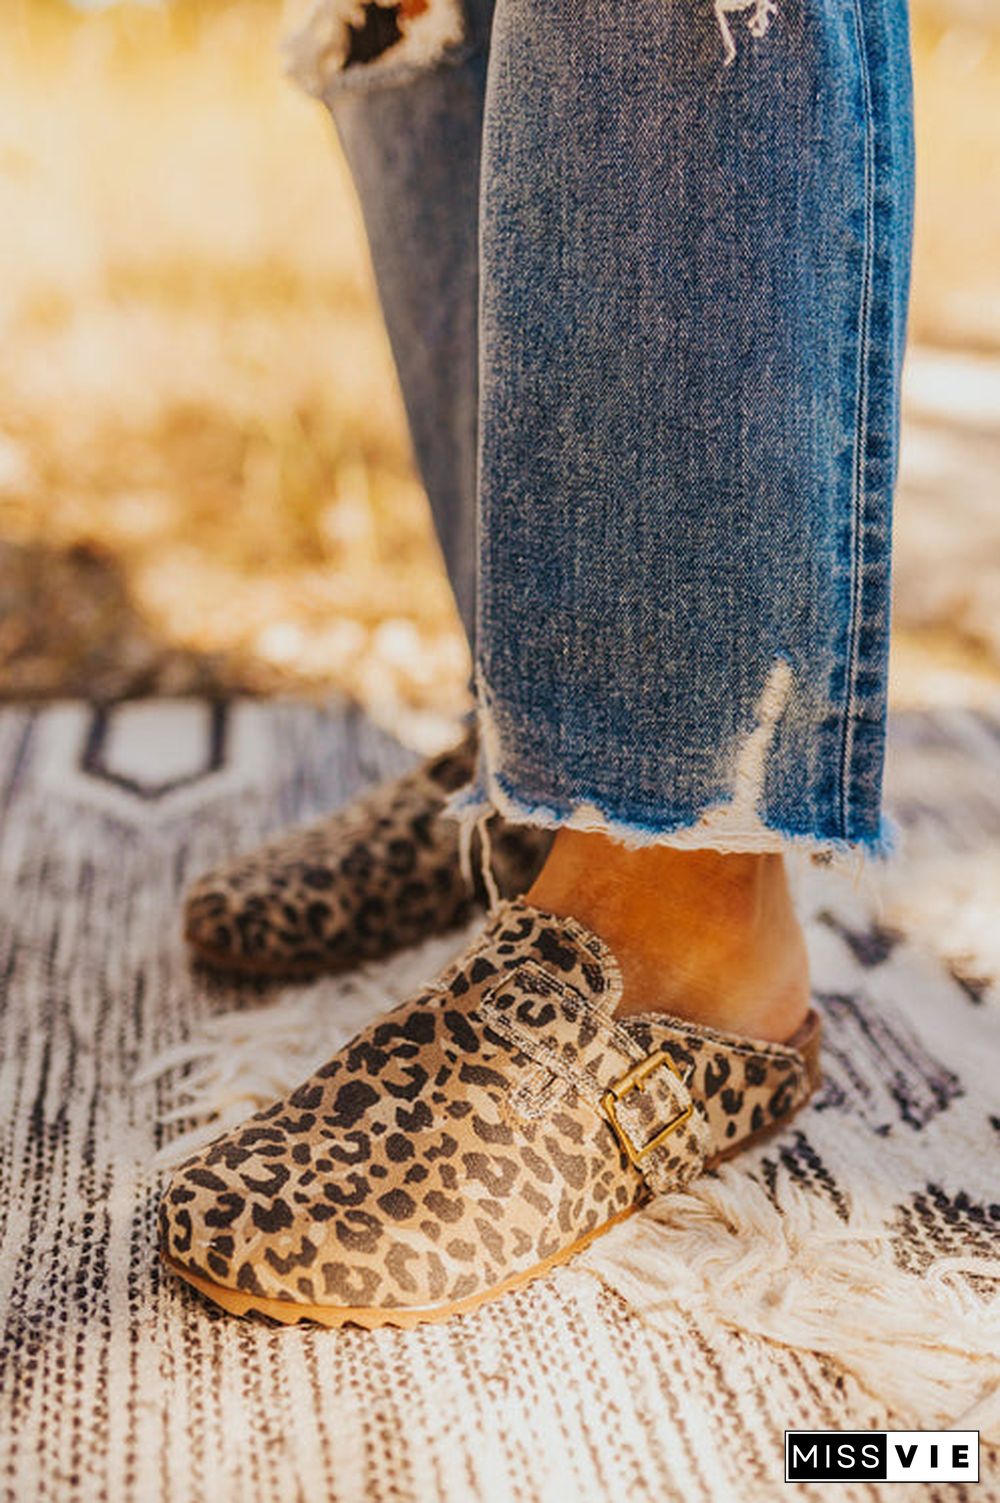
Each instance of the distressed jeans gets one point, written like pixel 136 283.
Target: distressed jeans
pixel 644 269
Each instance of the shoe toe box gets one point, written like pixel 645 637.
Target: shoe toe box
pixel 274 914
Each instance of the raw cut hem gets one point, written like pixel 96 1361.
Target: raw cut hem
pixel 712 831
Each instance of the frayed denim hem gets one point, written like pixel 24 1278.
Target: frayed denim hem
pixel 475 802
pixel 732 825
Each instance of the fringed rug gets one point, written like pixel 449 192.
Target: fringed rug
pixel 845 1276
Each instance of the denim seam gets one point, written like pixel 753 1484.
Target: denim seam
pixel 860 434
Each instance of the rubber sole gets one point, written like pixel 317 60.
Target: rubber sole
pixel 289 1313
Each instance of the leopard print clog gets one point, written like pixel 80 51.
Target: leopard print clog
pixel 473 1138
pixel 379 875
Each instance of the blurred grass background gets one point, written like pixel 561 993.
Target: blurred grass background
pixel 205 481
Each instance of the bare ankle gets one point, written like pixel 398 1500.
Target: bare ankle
pixel 708 936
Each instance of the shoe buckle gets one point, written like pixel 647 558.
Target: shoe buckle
pixel 635 1080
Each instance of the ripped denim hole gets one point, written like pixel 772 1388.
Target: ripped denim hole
pixel 339 37
pixel 379 31
pixel 757 23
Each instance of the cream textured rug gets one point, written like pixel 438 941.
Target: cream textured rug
pixel 846 1276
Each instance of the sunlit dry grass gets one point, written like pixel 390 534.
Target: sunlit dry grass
pixel 956 274
pixel 192 369
pixel 199 422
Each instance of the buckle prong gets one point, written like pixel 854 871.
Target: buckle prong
pixel 635 1080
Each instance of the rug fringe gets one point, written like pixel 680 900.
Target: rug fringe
pixel 788 1268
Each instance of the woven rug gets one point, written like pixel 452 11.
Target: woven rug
pixel 846 1275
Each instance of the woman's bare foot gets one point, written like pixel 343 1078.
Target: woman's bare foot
pixel 705 936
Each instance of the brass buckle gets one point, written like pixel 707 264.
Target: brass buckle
pixel 635 1080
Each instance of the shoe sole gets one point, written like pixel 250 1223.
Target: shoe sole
pixel 290 1313
pixel 218 961
pixel 270 970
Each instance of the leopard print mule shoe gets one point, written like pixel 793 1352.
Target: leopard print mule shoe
pixel 381 874
pixel 471 1139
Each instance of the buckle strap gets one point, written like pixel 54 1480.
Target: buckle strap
pixel 640 1095
pixel 656 1121
pixel 635 1080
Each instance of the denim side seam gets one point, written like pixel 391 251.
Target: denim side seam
pixel 882 50
pixel 852 664
pixel 732 826
pixel 316 51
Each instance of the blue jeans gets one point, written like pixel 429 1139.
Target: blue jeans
pixel 644 268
